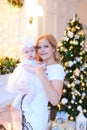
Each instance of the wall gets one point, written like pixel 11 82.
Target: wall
pixel 81 10
pixel 57 14
pixel 27 29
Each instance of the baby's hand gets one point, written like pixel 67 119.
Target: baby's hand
pixel 29 68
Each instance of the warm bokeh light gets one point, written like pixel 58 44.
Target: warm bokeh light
pixel 9 30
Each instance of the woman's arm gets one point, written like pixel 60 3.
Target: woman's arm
pixel 53 89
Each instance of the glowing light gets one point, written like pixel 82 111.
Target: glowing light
pixel 9 30
pixel 71 118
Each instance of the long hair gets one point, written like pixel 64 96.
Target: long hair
pixel 52 41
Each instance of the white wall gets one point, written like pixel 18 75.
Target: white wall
pixel 81 9
pixel 57 14
pixel 26 28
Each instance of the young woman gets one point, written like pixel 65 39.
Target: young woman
pixel 51 79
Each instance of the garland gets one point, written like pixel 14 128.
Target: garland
pixel 7 65
pixel 18 3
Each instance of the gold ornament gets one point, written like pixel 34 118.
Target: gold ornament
pixel 18 3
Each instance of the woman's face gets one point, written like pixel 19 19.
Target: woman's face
pixel 45 50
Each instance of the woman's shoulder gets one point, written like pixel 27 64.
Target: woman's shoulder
pixel 55 67
pixel 55 71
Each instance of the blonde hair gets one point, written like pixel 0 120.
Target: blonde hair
pixel 52 41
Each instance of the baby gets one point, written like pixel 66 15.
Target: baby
pixel 21 81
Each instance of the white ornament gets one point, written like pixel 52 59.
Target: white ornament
pixel 81 122
pixel 77 71
pixel 70 63
pixel 79 108
pixel 65 38
pixel 64 101
pixel 78 59
pixel 77 81
pixel 83 94
pixel 70 34
pixel 72 101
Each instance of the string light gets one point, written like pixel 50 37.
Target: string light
pixel 9 30
pixel 71 118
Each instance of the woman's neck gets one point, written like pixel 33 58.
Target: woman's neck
pixel 50 62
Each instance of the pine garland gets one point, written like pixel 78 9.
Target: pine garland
pixel 7 65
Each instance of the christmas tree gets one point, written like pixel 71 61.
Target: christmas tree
pixel 74 59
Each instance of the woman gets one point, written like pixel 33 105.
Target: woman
pixel 51 79
pixel 46 48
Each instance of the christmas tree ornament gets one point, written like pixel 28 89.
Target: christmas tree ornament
pixel 81 122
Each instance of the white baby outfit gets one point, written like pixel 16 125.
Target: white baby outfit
pixel 35 103
pixel 23 83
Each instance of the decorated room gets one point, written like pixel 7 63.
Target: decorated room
pixel 53 30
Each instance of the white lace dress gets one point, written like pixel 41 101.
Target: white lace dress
pixel 39 117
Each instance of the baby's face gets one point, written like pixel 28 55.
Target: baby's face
pixel 29 53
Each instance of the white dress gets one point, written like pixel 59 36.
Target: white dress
pixel 39 116
pixel 55 71
pixel 22 83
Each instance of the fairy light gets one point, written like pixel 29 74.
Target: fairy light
pixel 9 30
pixel 84 110
pixel 70 71
pixel 71 118
pixel 83 88
pixel 82 83
pixel 59 106
pixel 80 101
pixel 64 90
